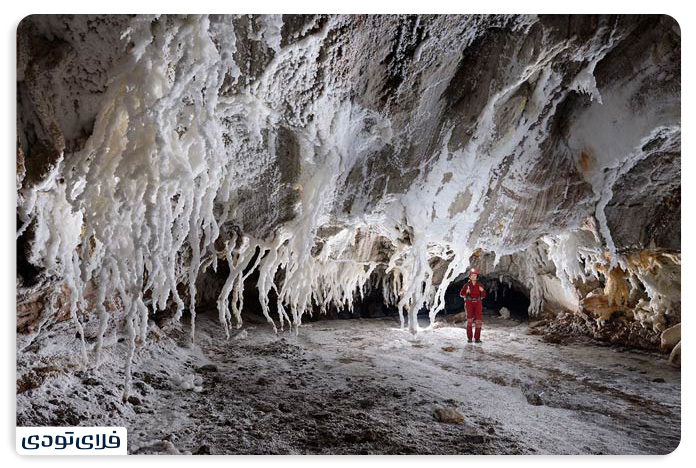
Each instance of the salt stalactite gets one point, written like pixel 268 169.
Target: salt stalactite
pixel 565 251
pixel 57 234
pixel 143 194
pixel 653 275
pixel 148 179
pixel 482 155
pixel 182 131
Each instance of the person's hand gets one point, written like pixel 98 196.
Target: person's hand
pixel 480 289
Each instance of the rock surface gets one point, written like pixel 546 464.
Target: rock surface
pixel 670 337
pixel 675 355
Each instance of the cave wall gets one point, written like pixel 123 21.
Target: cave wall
pixel 336 154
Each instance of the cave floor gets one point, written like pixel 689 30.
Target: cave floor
pixel 366 386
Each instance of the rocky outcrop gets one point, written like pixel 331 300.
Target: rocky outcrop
pixel 675 355
pixel 670 341
pixel 670 337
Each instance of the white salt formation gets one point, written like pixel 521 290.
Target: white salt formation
pixel 336 155
pixel 187 382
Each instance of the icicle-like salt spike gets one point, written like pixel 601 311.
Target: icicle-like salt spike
pixel 142 318
pixel 267 269
pixel 74 299
pixel 565 253
pixel 130 329
pixel 223 308
pixel 439 303
pixel 102 314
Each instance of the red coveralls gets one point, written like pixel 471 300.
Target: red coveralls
pixel 474 310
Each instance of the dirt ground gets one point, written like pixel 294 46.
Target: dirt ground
pixel 364 387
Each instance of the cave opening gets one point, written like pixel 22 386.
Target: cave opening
pixel 369 304
pixel 501 292
pixel 509 294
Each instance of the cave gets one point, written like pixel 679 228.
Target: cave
pixel 513 296
pixel 246 234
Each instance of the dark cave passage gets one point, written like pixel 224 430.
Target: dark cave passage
pixel 513 295
pixel 368 305
pixel 508 293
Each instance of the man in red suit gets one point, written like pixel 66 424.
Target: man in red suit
pixel 473 293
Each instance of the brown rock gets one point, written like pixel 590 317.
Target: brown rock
pixel 670 337
pixel 675 355
pixel 449 416
pixel 599 307
pixel 460 317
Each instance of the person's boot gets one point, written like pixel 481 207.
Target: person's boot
pixel 477 335
pixel 469 340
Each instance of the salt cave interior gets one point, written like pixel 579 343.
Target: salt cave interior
pixel 247 233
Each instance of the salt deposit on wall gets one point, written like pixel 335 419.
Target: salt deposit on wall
pixel 333 154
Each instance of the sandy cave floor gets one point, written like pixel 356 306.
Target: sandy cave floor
pixel 366 386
